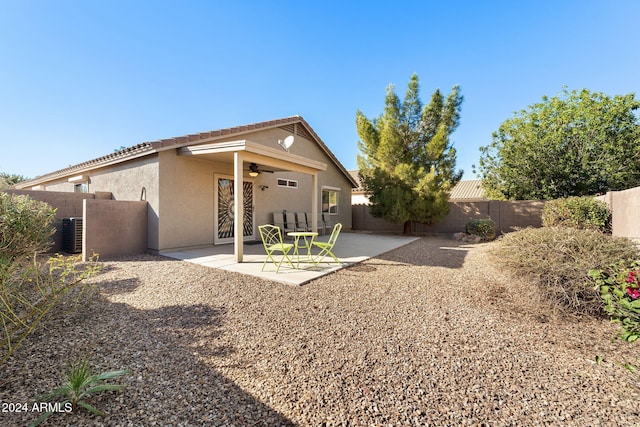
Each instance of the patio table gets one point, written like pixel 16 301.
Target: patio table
pixel 307 238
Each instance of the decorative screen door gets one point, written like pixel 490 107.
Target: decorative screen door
pixel 224 210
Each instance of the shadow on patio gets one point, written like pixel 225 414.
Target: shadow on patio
pixel 350 248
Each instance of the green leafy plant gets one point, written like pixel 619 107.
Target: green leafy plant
pixel 619 287
pixel 577 212
pixel 79 384
pixel 486 228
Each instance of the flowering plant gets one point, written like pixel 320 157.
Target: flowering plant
pixel 619 287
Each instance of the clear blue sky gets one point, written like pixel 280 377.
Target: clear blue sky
pixel 79 79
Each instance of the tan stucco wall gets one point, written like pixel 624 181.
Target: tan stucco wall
pixel 187 191
pixel 624 206
pixel 186 200
pixel 299 200
pixel 114 228
pixel 126 182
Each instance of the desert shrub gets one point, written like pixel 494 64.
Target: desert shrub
pixel 558 260
pixel 577 212
pixel 486 228
pixel 25 226
pixel 30 286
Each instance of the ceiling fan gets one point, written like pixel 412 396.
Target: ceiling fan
pixel 254 171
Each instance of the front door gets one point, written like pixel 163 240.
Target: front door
pixel 224 210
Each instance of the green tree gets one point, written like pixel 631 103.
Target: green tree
pixel 575 144
pixel 406 161
pixel 7 180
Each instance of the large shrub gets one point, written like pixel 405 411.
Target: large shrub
pixel 557 260
pixel 577 212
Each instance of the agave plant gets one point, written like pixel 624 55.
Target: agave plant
pixel 79 384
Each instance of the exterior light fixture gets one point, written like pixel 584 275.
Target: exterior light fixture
pixel 253 170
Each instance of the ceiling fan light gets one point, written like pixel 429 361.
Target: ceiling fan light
pixel 253 174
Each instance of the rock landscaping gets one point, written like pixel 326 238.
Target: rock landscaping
pixel 428 334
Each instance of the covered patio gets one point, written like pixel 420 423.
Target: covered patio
pixel 350 248
pixel 243 152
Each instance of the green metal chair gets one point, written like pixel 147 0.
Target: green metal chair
pixel 272 242
pixel 327 247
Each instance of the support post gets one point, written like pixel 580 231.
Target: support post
pixel 238 208
pixel 314 202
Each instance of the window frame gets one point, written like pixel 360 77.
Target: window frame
pixel 330 209
pixel 287 183
pixel 81 187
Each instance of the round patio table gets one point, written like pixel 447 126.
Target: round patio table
pixel 307 238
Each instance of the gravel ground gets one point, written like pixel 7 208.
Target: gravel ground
pixel 428 334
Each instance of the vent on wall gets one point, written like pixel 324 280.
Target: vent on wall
pixel 72 235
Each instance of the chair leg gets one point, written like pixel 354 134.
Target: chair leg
pixel 285 255
pixel 323 254
pixel 267 259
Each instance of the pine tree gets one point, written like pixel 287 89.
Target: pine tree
pixel 407 161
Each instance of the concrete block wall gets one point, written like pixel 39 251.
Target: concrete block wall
pixel 113 228
pixel 67 205
pixel 625 208
pixel 508 215
pixel 363 221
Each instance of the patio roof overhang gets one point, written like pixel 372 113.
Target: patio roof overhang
pixel 255 153
pixel 238 152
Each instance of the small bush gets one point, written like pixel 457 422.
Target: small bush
pixel 619 286
pixel 558 260
pixel 577 212
pixel 25 227
pixel 486 229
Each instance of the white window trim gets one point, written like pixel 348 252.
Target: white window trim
pixel 288 181
pixel 78 178
pixel 334 189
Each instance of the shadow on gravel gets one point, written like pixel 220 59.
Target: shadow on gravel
pixel 165 348
pixel 123 286
pixel 417 254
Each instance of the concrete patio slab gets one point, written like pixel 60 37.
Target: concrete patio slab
pixel 350 248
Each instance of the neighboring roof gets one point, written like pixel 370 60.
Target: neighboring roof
pixel 468 190
pixel 463 190
pixel 355 174
pixel 147 148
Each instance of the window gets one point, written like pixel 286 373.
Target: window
pixel 330 202
pixel 81 187
pixel 289 183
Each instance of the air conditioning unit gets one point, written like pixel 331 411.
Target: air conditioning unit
pixel 72 235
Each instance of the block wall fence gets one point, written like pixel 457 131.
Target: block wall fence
pixel 508 215
pixel 625 212
pixel 109 228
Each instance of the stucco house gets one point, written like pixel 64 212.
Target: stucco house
pixel 193 184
